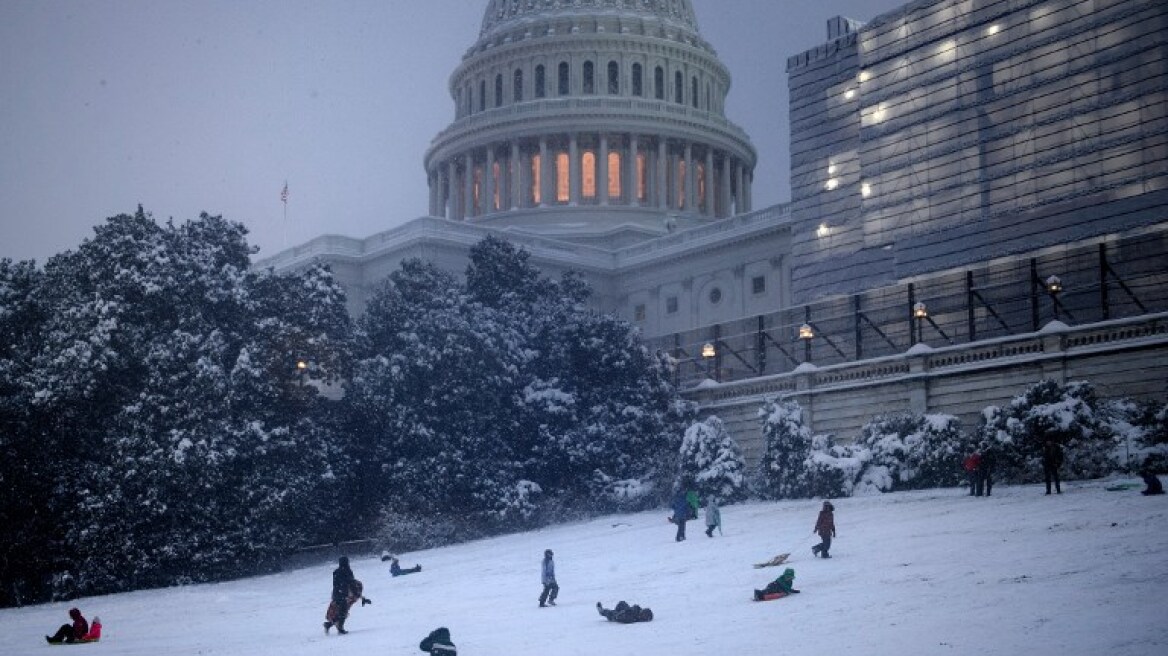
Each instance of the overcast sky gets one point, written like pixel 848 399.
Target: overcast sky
pixel 186 106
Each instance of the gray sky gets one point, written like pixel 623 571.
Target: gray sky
pixel 188 106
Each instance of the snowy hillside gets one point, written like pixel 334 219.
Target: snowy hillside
pixel 934 572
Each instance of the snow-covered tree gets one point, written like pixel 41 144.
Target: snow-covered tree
pixel 910 452
pixel 711 462
pixel 784 470
pixel 1070 414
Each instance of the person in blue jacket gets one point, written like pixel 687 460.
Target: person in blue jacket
pixel 681 510
pixel 551 589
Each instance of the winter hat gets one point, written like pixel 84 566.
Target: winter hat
pixel 547 552
pixel 827 505
pixel 344 561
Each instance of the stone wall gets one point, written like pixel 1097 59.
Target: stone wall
pixel 1122 358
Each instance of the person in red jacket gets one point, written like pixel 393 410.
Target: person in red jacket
pixel 825 527
pixel 70 632
pixel 972 465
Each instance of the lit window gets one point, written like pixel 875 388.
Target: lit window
pixel 642 179
pixel 614 175
pixel 496 176
pixel 865 76
pixel 831 184
pixel 536 195
pixel 639 312
pixel 822 230
pixel 758 284
pixel 993 29
pixel 588 173
pixel 681 184
pixel 865 190
pixel 849 94
pixel 831 169
pixel 562 177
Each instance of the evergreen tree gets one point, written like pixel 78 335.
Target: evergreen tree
pixel 911 452
pixel 712 461
pixel 784 467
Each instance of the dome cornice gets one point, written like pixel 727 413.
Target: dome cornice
pixel 503 15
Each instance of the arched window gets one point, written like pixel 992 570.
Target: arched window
pixel 469 99
pixel 678 88
pixel 499 90
pixel 517 86
pixel 562 82
pixel 589 77
pixel 614 175
pixel 694 93
pixel 588 174
pixel 659 83
pixel 613 78
pixel 562 185
pixel 482 95
pixel 540 82
pixel 638 89
pixel 709 103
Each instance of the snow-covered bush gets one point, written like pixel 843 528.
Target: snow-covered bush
pixel 1141 434
pixel 711 461
pixel 784 472
pixel 398 531
pixel 1071 415
pixel 834 470
pixel 912 452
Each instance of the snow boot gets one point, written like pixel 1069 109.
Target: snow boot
pixel 758 595
pixel 341 628
pixel 815 550
pixel 327 626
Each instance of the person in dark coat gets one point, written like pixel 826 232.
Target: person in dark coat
pixel 395 568
pixel 985 470
pixel 438 643
pixel 681 510
pixel 74 632
pixel 1052 459
pixel 1153 483
pixel 624 613
pixel 784 585
pixel 825 527
pixel 346 591
pixel 551 589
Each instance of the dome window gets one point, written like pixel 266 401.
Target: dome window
pixel 613 78
pixel 517 86
pixel 659 83
pixel 589 78
pixel 499 90
pixel 678 88
pixel 638 89
pixel 562 82
pixel 540 82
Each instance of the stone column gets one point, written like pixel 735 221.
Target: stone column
pixel 711 197
pixel 740 196
pixel 631 172
pixel 602 163
pixel 724 188
pixel 662 179
pixel 468 208
pixel 452 191
pixel 749 178
pixel 489 186
pixel 545 168
pixel 573 170
pixel 516 168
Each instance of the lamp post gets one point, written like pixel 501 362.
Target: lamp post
pixel 1053 286
pixel 301 370
pixel 708 353
pixel 806 334
pixel 920 313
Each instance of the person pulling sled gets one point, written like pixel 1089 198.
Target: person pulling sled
pixel 346 591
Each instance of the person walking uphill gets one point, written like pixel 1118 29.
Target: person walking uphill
pixel 825 527
pixel 680 516
pixel 548 576
pixel 1052 459
pixel 713 517
pixel 346 591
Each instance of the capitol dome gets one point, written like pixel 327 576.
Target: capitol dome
pixel 589 117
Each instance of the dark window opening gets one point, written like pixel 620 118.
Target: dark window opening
pixel 659 83
pixel 517 86
pixel 589 78
pixel 499 90
pixel 637 83
pixel 758 284
pixel 678 88
pixel 562 87
pixel 540 82
pixel 613 78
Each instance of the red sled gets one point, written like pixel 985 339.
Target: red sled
pixel 771 596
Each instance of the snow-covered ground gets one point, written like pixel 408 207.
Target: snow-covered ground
pixel 934 572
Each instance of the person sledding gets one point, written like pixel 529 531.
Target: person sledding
pixel 624 613
pixel 396 569
pixel 780 587
pixel 438 643
pixel 78 631
pixel 346 591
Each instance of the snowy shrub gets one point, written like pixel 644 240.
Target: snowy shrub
pixel 711 461
pixel 834 470
pixel 912 452
pixel 625 493
pixel 784 472
pixel 1141 434
pixel 1071 415
pixel 398 531
pixel 519 503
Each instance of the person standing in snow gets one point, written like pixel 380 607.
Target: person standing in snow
pixel 985 471
pixel 972 465
pixel 1052 459
pixel 438 643
pixel 681 510
pixel 825 527
pixel 713 517
pixel 551 589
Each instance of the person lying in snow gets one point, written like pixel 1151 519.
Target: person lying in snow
pixel 438 643
pixel 395 568
pixel 780 587
pixel 625 614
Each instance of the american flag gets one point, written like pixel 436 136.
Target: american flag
pixel 284 194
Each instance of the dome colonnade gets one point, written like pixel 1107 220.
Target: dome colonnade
pixel 570 103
